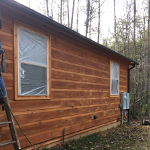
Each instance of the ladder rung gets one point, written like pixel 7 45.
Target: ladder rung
pixel 7 143
pixel 7 122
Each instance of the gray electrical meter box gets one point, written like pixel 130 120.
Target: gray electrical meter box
pixel 125 100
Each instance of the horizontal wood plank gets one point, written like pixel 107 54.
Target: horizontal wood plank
pixel 88 101
pixel 56 84
pixel 79 94
pixel 18 106
pixel 10 92
pixel 9 54
pixel 80 69
pixel 124 72
pixel 123 78
pixel 32 105
pixel 7 27
pixel 70 47
pixel 88 47
pixel 6 40
pixel 5 17
pixel 8 147
pixel 65 75
pixel 123 83
pixel 68 130
pixel 39 115
pixel 78 60
pixel 9 81
pixel 54 124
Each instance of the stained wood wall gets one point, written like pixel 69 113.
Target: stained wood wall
pixel 80 81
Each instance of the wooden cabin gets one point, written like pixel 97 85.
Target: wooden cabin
pixel 56 78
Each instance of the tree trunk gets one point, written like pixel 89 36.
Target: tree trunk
pixel 90 27
pixel 87 20
pixel 58 14
pixel 115 26
pixel 63 17
pixel 135 96
pixel 78 17
pixel 123 47
pixel 72 14
pixel 98 21
pixel 128 47
pixel 68 12
pixel 145 60
pixel 147 66
pixel 52 9
pixel 47 8
pixel 61 11
pixel 134 30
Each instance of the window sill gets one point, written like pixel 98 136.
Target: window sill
pixel 114 96
pixel 32 97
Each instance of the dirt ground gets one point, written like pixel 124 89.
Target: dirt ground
pixel 134 136
pixel 143 140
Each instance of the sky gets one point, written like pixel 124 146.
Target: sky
pixel 107 16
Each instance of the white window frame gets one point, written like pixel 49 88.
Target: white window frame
pixel 30 63
pixel 114 78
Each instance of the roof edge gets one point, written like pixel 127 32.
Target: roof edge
pixel 49 21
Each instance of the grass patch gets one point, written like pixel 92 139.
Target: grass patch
pixel 45 148
pixel 126 136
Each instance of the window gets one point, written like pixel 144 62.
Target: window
pixel 114 81
pixel 32 74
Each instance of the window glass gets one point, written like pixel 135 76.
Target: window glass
pixel 33 47
pixel 33 67
pixel 114 78
pixel 33 80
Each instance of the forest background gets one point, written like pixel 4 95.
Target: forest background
pixel 121 25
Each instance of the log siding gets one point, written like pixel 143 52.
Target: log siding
pixel 80 85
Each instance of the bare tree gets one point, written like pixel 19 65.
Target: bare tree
pixel 72 13
pixel 52 8
pixel 99 15
pixel 144 49
pixel 68 12
pixel 58 14
pixel 115 25
pixel 61 11
pixel 128 8
pixel 78 16
pixel 92 16
pixel 99 2
pixel 87 20
pixel 148 59
pixel 134 41
pixel 63 8
pixel 47 8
